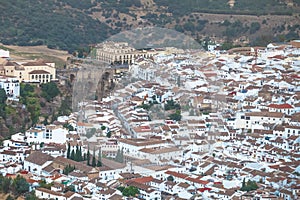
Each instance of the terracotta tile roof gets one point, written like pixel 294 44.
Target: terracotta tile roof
pixel 39 72
pixel 78 165
pixel 176 174
pixel 280 106
pixel 49 191
pixel 143 180
pixel 39 158
pixel 266 114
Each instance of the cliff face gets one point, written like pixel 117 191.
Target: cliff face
pixel 16 119
pixel 33 108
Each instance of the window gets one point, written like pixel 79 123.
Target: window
pixel 48 135
pixel 247 118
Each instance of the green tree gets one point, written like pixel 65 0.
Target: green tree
pixel 120 156
pixel 77 154
pixel 99 162
pixel 3 96
pixel 249 186
pixel 9 197
pixel 72 156
pixel 175 116
pixel 255 26
pixel 69 127
pixel 108 134
pixel 94 159
pixel 130 191
pixel 31 196
pixel 69 188
pixel 170 178
pixel 178 81
pixel 121 188
pixel 244 183
pixel 20 185
pixel 88 156
pixel 170 105
pixel 44 184
pixel 69 150
pixel 80 154
pixel 49 90
pixel 6 182
pixel 68 169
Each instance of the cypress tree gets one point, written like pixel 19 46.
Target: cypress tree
pixel 80 154
pixel 88 156
pixel 68 150
pixel 77 153
pixel 244 183
pixel 94 159
pixel 99 163
pixel 72 157
pixel 120 156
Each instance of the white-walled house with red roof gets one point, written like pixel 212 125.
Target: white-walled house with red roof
pixel 283 108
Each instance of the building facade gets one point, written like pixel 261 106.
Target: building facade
pixel 11 87
pixel 119 53
pixel 46 134
pixel 32 71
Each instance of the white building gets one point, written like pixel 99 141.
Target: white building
pixel 252 120
pixel 36 161
pixel 131 147
pixel 4 53
pixel 46 134
pixel 156 155
pixel 11 87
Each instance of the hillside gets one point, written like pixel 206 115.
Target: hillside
pixel 69 24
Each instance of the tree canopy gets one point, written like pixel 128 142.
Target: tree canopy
pixel 49 90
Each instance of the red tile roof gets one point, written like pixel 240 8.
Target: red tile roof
pixel 280 106
pixel 143 180
pixel 176 174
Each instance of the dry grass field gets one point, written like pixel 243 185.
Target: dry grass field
pixel 37 52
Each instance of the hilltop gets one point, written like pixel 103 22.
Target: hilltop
pixel 70 24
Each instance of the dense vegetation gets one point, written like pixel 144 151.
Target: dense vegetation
pixel 71 24
pixel 254 7
pixel 129 191
pixel 37 105
pixel 36 22
pixel 249 185
pixel 15 187
pixel 172 105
